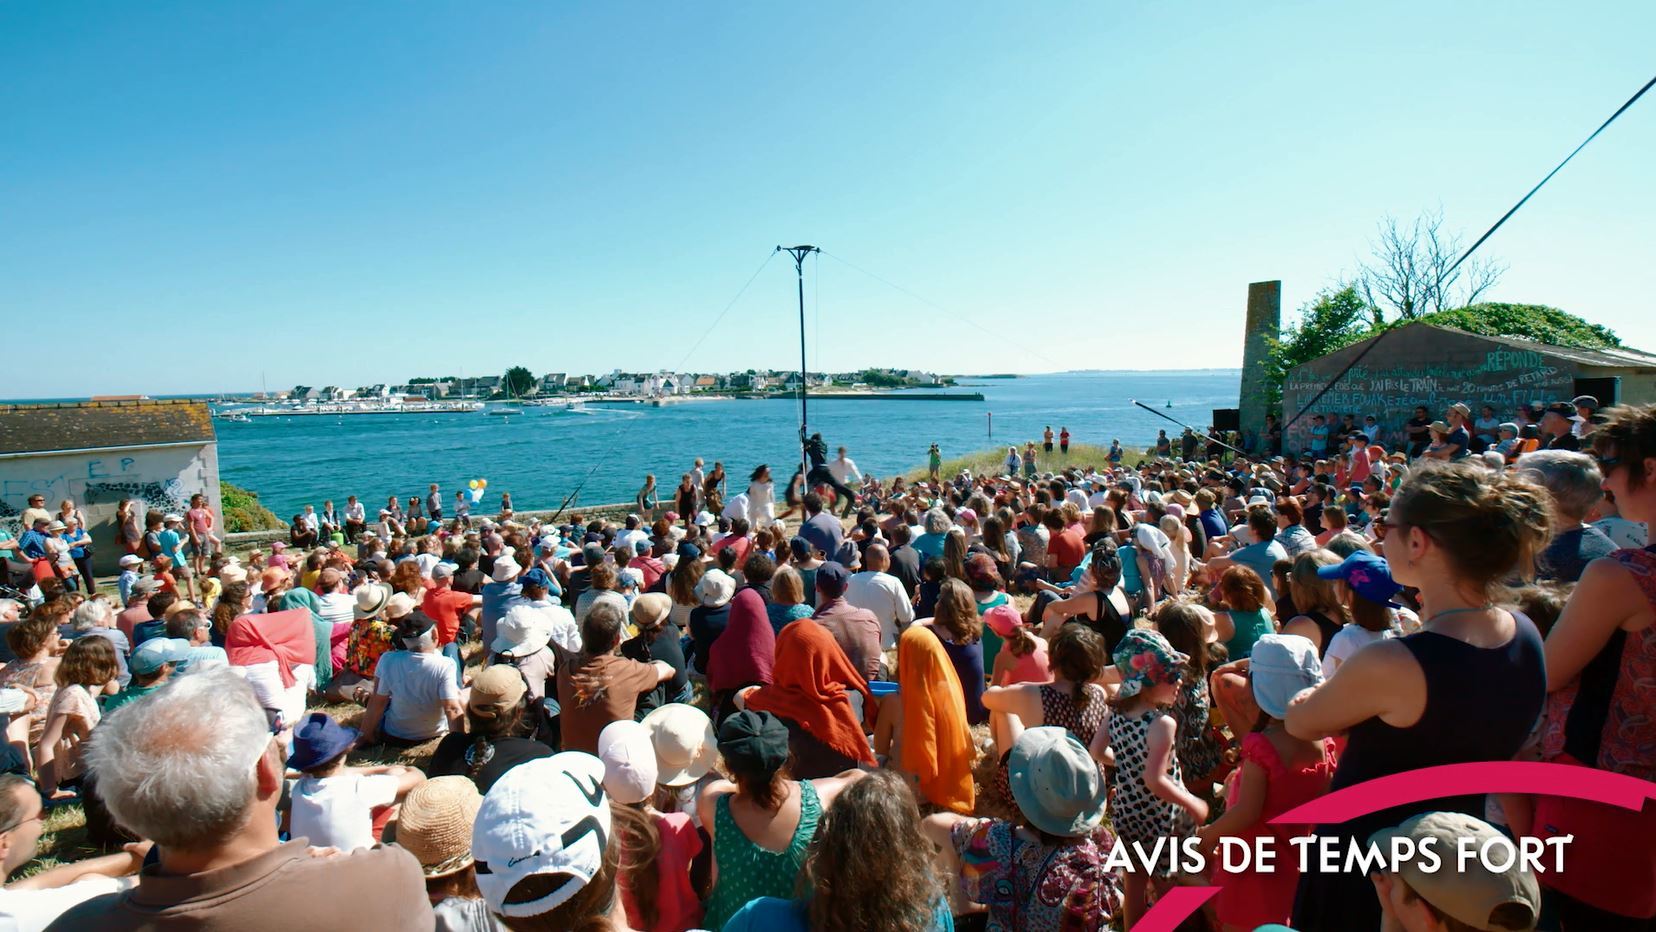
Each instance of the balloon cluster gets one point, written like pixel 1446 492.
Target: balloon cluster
pixel 477 486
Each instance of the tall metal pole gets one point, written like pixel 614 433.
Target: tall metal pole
pixel 799 253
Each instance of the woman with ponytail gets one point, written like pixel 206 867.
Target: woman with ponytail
pixel 1072 701
pixel 1467 687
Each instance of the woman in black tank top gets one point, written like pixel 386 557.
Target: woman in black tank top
pixel 1465 688
pixel 1101 610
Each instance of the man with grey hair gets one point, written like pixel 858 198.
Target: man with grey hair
pixel 1574 483
pixel 416 696
pixel 193 625
pixel 195 768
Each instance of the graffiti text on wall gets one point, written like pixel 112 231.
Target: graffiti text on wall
pixel 94 481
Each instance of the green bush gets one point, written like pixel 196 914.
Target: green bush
pixel 242 511
pixel 1536 322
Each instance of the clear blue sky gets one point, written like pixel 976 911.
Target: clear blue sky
pixel 192 194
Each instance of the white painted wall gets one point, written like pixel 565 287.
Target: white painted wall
pixel 98 480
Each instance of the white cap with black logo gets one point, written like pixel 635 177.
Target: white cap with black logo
pixel 547 816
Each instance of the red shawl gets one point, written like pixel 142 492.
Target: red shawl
pixel 285 637
pixel 746 649
pixel 808 687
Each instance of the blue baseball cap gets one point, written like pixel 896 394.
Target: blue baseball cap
pixel 1367 574
pixel 831 578
pixel 536 577
pixel 154 653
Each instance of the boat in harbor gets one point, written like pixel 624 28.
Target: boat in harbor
pixel 566 405
pixel 376 406
pixel 506 410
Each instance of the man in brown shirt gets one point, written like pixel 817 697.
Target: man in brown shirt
pixel 597 685
pixel 160 765
pixel 856 630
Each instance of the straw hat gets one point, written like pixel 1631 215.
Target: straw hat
pixel 435 824
pixel 370 600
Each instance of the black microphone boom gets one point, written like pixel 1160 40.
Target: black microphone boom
pixel 1193 430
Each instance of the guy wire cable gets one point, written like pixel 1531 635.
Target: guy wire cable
pixel 705 333
pixel 953 316
pixel 1487 234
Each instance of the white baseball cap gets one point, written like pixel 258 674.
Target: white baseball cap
pixel 630 767
pixel 132 560
pixel 546 816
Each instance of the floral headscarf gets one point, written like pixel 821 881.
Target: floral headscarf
pixel 1145 659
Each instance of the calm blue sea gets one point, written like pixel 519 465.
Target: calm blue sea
pixel 540 455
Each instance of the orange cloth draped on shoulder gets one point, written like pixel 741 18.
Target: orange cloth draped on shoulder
pixel 285 637
pixel 937 742
pixel 809 687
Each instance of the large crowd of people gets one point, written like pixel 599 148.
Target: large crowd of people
pixel 943 706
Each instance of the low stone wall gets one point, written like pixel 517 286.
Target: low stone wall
pixel 242 540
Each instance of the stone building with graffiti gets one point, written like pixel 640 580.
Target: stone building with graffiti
pixel 98 452
pixel 1423 364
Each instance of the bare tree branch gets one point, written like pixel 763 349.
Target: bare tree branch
pixel 1413 269
pixel 1481 275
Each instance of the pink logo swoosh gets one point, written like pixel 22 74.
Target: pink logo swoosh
pixel 1527 777
pixel 1412 786
pixel 1179 904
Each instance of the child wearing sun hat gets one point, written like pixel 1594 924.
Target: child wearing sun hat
pixel 435 825
pixel 631 771
pixel 334 805
pixel 1151 801
pixel 1279 772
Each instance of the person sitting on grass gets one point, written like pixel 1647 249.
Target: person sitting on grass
pixel 415 696
pixel 1046 869
pixel 33 902
pixel 335 806
pixel 153 664
pixel 434 824
pixel 197 769
pixel 86 672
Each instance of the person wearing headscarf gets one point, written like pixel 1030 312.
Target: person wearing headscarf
pixel 808 692
pixel 923 727
pixel 743 655
pixel 276 654
pixel 308 600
